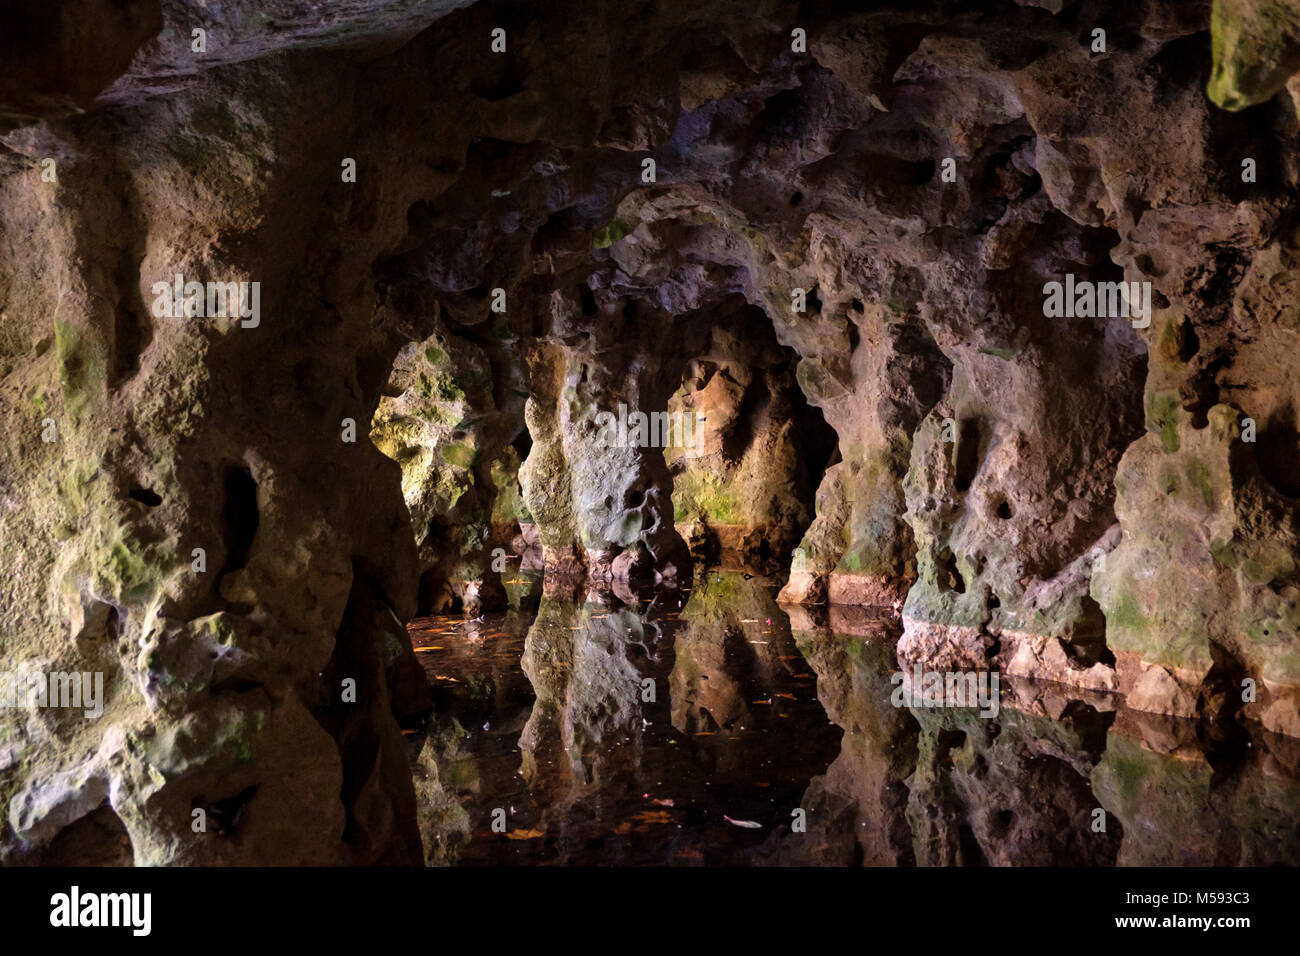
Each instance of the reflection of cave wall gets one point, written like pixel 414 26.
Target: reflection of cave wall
pixel 1049 780
pixel 776 171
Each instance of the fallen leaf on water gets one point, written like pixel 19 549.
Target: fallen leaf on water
pixel 524 834
pixel 706 733
pixel 787 696
pixel 664 803
pixel 747 824
pixel 653 816
pixel 642 821
pixel 423 650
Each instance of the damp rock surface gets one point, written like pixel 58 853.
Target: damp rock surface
pixel 425 270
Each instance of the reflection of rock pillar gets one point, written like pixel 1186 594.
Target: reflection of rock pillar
pixel 857 809
pixel 717 671
pixel 1157 785
pixel 587 690
pixel 1010 791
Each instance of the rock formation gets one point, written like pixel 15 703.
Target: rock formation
pixel 281 295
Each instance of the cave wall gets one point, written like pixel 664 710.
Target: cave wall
pixel 743 483
pixel 776 170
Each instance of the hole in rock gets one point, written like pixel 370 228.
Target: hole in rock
pixel 967 454
pixel 434 594
pixel 1187 341
pixel 1200 392
pixel 949 577
pixel 146 497
pixel 434 597
pixel 588 300
pixel 1003 509
pixel 132 332
pixel 1089 724
pixel 103 624
pixel 1277 449
pixel 971 854
pixel 223 816
pixel 523 444
pixel 946 742
pixel 239 517
pixel 915 174
pixel 796 198
pixel 1246 134
pixel 1182 62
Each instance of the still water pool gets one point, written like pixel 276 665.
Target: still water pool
pixel 710 727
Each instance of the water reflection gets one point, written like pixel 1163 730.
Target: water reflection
pixel 652 731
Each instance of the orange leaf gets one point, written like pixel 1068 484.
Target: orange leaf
pixel 525 834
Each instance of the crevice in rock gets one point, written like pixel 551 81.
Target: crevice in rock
pixel 948 576
pixel 1086 643
pixel 353 699
pixel 146 496
pixel 972 854
pixel 966 455
pixel 239 517
pixel 223 816
pixel 131 331
pixel 1277 450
